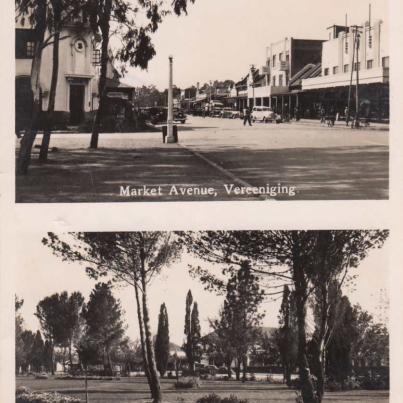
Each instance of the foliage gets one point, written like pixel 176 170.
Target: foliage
pixel 128 258
pixel 214 398
pixel 286 335
pixel 238 325
pixel 103 322
pixel 309 260
pixel 187 383
pixel 162 341
pixel 24 395
pixel 192 344
pixel 19 328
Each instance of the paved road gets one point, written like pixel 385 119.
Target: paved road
pixel 295 161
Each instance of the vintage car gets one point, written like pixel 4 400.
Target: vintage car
pixel 263 114
pixel 159 114
pixel 226 113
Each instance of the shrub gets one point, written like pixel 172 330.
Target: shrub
pixel 39 397
pixel 41 376
pixel 213 398
pixel 187 383
pixel 376 382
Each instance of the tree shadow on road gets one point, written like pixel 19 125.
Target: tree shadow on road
pixel 81 175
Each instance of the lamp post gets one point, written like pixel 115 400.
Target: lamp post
pixel 170 130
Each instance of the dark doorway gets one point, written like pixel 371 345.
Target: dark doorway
pixel 76 104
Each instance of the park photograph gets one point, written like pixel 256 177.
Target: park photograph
pixel 201 100
pixel 202 316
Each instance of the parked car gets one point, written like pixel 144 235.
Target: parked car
pixel 226 113
pixel 263 114
pixel 215 108
pixel 179 115
pixel 159 114
pixel 235 115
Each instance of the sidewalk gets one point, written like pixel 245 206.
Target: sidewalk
pixel 341 124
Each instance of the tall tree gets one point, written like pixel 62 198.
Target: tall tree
pixel 162 341
pixel 192 332
pixel 240 316
pixel 19 328
pixel 36 13
pixel 37 355
pixel 58 316
pixel 132 258
pixel 60 12
pixel 137 48
pixel 286 335
pixel 310 259
pixel 103 322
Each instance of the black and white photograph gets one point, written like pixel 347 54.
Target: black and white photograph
pixel 203 316
pixel 201 100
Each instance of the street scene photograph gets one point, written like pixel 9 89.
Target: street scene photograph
pixel 201 100
pixel 202 317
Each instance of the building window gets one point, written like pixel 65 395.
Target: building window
pixel 30 49
pixel 280 80
pixel 345 68
pixel 370 64
pixel 287 58
pixel 346 45
pixel 336 70
pixel 326 71
pixel 357 65
pixel 274 60
pixel 274 81
pixel 79 45
pixel 385 62
pixel 280 57
pixel 96 57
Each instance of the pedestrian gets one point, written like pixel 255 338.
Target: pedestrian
pixel 247 117
pixel 296 114
pixel 322 114
pixel 346 115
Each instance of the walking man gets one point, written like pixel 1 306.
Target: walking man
pixel 247 117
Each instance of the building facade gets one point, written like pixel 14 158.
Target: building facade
pixel 339 68
pixel 78 75
pixel 269 85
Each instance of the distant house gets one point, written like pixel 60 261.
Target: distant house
pixel 255 356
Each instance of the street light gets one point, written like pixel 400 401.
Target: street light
pixel 170 129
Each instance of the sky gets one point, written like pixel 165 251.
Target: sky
pixel 39 274
pixel 220 39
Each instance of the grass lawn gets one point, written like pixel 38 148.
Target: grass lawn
pixel 136 390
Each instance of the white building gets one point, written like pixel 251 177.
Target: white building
pixel 79 65
pixel 338 70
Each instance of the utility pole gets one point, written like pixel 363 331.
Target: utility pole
pixel 354 63
pixel 170 131
pixel 357 102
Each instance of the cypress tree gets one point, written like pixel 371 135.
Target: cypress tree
pixel 162 341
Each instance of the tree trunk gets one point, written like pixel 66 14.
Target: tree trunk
pixel 104 25
pixel 238 370
pixel 154 378
pixel 142 335
pixel 244 368
pixel 27 142
pixel 306 385
pixel 43 154
pixel 52 358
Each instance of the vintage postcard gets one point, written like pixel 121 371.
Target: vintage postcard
pixel 139 259
pixel 257 316
pixel 202 101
